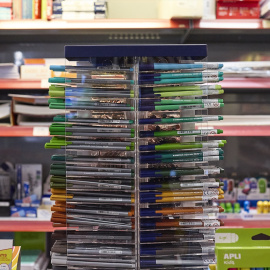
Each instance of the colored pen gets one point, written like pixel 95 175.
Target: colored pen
pixel 172 66
pixel 86 68
pixel 84 80
pixel 181 88
pixel 178 172
pixel 157 80
pixel 86 167
pixel 61 143
pixel 93 171
pixel 178 186
pixel 183 160
pixel 181 193
pixel 56 103
pixel 175 133
pixel 180 154
pixel 145 102
pixel 97 131
pixel 167 223
pixel 162 211
pixel 160 121
pixel 178 146
pixel 166 75
pixel 180 199
pixel 163 237
pixel 71 159
pixel 149 94
pixel 148 263
pixel 181 107
pixel 60 91
pixel 78 117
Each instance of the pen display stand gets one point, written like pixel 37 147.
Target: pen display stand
pixel 135 186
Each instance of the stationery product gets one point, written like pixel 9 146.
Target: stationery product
pixel 136 183
pixel 252 189
pixel 249 247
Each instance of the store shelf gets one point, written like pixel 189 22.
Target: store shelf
pixel 25 225
pixel 246 220
pixel 246 83
pixel 21 131
pixel 94 24
pixel 243 130
pixel 135 24
pixel 228 83
pixel 20 84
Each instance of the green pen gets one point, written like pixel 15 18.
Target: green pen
pixel 57 143
pixel 178 146
pixel 60 91
pixel 158 121
pixel 180 154
pixel 149 94
pixel 180 107
pixel 145 102
pixel 202 132
pixel 98 131
pixel 179 80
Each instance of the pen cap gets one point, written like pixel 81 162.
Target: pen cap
pixel 57 68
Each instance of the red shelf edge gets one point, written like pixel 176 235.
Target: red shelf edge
pixel 244 130
pixel 26 226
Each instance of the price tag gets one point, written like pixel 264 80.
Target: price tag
pixel 41 131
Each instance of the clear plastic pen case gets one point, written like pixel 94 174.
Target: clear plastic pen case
pixel 136 181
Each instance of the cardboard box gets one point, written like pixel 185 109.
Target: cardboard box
pixel 238 9
pixel 16 211
pixel 29 182
pixel 192 9
pixel 242 248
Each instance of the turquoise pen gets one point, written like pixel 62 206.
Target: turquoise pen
pixel 180 80
pixel 204 74
pixel 172 66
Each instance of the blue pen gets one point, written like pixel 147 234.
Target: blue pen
pixel 182 80
pixel 172 66
pixel 83 80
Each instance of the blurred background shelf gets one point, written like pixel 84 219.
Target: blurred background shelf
pixel 22 131
pixel 25 225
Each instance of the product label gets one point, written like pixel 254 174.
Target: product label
pixel 190 223
pixel 209 198
pixel 211 223
pixel 110 251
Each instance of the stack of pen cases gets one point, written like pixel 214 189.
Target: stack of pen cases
pixel 177 174
pixel 93 181
pixel 134 186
